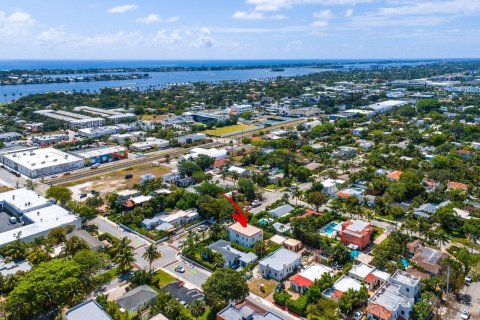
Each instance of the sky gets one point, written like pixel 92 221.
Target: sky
pixel 239 29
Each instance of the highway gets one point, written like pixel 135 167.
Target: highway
pixel 123 164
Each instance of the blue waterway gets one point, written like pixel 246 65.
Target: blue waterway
pixel 160 79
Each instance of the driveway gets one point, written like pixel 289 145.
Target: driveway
pixel 105 225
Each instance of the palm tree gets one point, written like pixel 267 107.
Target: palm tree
pixel 37 255
pixel 197 308
pixel 16 250
pixel 151 254
pixel 259 248
pixel 296 194
pixel 73 245
pixel 124 255
pixel 235 177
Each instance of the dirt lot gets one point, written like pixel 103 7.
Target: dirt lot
pixel 269 286
pixel 115 181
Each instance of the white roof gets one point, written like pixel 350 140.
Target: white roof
pixel 278 239
pixel 141 199
pixel 24 200
pixel 100 152
pixel 357 225
pixel 381 275
pixel 190 213
pixel 237 169
pixel 332 182
pixel 345 283
pixel 44 217
pixel 212 152
pixel 316 271
pixel 41 158
pixel 361 270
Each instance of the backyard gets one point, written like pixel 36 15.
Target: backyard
pixel 268 286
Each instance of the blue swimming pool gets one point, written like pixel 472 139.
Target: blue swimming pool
pixel 404 262
pixel 354 254
pixel 329 228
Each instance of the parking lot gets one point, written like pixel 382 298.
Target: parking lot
pixel 193 274
pixel 183 294
pixel 467 299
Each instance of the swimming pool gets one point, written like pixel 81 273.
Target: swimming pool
pixel 404 262
pixel 354 254
pixel 330 228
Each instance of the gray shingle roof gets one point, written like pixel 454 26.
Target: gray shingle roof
pixel 88 310
pixel 137 297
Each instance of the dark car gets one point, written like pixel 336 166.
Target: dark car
pixel 280 287
pixel 129 176
pixel 83 195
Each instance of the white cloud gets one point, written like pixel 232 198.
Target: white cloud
pixel 52 36
pixel 275 5
pixel 434 7
pixel 203 42
pixel 151 18
pixel 123 8
pixel 349 13
pixel 323 15
pixel 205 30
pixel 320 24
pixel 165 37
pixel 255 15
pixel 16 27
pixel 154 18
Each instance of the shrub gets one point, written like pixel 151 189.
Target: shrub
pixel 298 306
pixel 281 297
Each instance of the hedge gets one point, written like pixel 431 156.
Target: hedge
pixel 281 297
pixel 298 306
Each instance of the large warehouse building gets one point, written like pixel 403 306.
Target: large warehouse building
pixel 103 154
pixel 41 162
pixel 34 216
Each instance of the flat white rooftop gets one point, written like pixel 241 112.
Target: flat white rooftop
pixel 43 214
pixel 345 283
pixel 361 270
pixel 316 271
pixel 41 158
pixel 100 152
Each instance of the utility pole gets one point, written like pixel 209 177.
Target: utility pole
pixel 448 284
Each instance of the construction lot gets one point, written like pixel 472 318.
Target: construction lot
pixel 113 181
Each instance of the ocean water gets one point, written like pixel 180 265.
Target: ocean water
pixel 161 79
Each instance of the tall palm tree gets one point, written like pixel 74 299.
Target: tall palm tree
pixel 124 255
pixel 151 254
pixel 296 194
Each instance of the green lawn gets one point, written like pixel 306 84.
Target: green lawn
pixel 228 129
pixel 163 278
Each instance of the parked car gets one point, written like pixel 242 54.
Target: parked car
pixel 202 228
pixel 256 203
pixel 280 287
pixel 180 269
pixel 468 279
pixel 465 315
pixel 83 195
pixel 358 315
pixel 95 166
pixel 129 176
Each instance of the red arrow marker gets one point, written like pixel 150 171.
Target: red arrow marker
pixel 241 217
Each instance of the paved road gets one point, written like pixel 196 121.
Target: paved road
pixel 193 275
pixel 105 225
pixel 168 256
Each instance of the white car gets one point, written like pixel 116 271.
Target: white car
pixel 180 269
pixel 465 315
pixel 358 315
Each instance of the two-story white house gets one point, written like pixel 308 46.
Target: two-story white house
pixel 245 236
pixel 395 298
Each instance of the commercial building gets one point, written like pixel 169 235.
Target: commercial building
pixel 384 106
pixel 73 120
pixel 245 236
pixel 41 162
pixel 46 140
pixel 35 216
pixel 102 154
pixel 113 116
pixel 150 143
pixel 238 109
pixel 10 136
pixel 98 132
pixel 206 117
pixel 217 154
pixel 194 137
pixel 279 264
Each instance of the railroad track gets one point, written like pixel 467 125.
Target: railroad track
pixel 120 165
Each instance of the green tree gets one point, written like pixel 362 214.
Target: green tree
pixel 316 199
pixel 224 286
pixel 123 254
pixel 247 188
pixel 60 193
pixel 197 308
pixel 151 254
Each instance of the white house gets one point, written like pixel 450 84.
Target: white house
pixel 279 264
pixel 245 236
pixel 330 186
pixel 395 298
